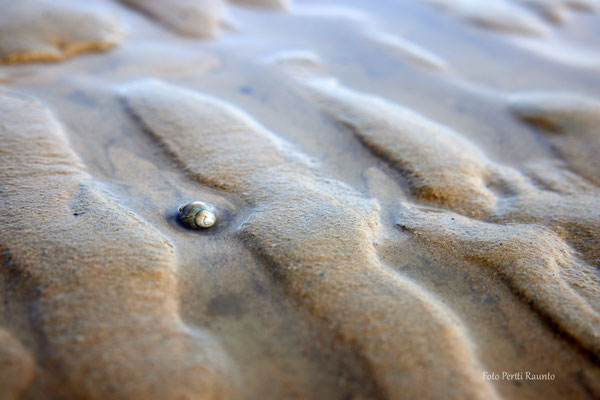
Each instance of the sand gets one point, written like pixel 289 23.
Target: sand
pixel 321 247
pixel 121 308
pixel 39 30
pixel 401 211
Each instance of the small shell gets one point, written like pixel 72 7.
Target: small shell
pixel 197 215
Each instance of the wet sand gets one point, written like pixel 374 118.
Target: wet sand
pixel 406 197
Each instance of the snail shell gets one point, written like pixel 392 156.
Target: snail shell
pixel 197 215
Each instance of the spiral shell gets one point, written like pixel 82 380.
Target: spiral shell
pixel 197 215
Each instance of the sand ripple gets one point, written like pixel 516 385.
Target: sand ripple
pixel 40 30
pixel 317 236
pixel 440 166
pixel 570 122
pixel 534 261
pixel 445 170
pixel 196 18
pixel 103 282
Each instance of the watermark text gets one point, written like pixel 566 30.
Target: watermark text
pixel 518 376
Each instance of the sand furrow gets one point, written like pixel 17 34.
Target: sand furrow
pixel 316 234
pixel 102 282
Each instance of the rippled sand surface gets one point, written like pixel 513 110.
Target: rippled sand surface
pixel 406 193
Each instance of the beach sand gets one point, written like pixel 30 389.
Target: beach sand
pixel 406 195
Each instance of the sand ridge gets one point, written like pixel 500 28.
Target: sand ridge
pixel 187 17
pixel 534 261
pixel 500 15
pixel 408 50
pixel 447 171
pixel 570 122
pixel 515 16
pixel 529 24
pixel 40 30
pixel 315 232
pixel 557 11
pixel 197 18
pixel 111 328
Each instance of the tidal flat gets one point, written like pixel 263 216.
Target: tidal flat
pixel 299 199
